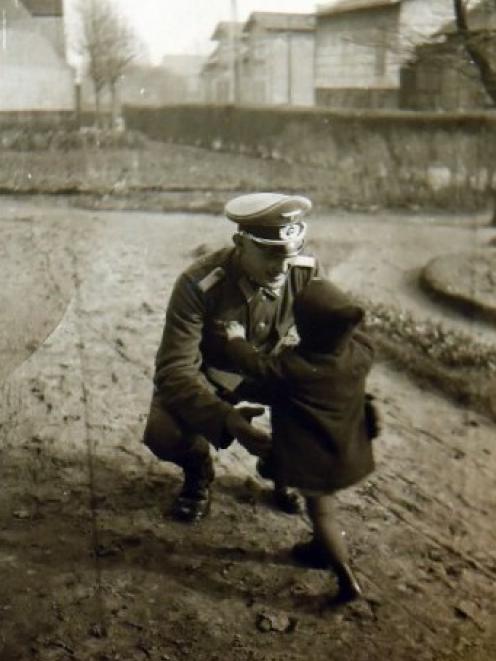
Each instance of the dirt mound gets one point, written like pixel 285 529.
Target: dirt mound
pixel 467 280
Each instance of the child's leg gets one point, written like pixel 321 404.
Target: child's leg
pixel 328 537
pixel 326 531
pixel 286 500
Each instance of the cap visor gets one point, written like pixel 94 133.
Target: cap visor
pixel 290 249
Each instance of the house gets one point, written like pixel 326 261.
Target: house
pixel 268 60
pixel 278 59
pixel 441 75
pixel 220 72
pixel 33 71
pixel 209 76
pixel 48 15
pixel 360 46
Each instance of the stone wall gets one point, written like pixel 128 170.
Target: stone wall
pixel 367 97
pixel 388 159
pixel 35 120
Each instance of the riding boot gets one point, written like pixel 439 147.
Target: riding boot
pixel 349 588
pixel 287 500
pixel 193 502
pixel 313 555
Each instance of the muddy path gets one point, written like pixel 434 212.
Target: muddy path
pixel 92 568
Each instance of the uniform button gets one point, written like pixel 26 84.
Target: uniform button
pixel 261 325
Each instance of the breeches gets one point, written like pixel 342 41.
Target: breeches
pixel 169 441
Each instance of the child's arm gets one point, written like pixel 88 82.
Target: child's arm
pixel 249 361
pixel 365 340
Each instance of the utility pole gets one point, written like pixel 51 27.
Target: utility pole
pixel 4 29
pixel 234 52
pixel 77 93
pixel 289 71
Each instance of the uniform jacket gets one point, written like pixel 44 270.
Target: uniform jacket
pixel 192 368
pixel 320 432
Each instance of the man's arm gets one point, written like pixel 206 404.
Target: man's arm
pixel 266 370
pixel 178 379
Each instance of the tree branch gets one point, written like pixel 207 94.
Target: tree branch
pixel 476 50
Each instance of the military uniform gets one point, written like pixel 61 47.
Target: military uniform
pixel 194 378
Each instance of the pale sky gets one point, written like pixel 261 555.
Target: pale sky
pixel 185 26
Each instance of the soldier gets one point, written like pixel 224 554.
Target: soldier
pixel 195 384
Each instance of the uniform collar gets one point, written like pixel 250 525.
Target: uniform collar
pixel 248 288
pixel 251 289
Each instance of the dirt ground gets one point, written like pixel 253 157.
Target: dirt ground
pixel 91 567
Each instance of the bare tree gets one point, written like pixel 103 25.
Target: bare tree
pixel 123 51
pixel 108 44
pixel 480 45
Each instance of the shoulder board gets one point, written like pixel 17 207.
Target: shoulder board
pixel 305 260
pixel 211 279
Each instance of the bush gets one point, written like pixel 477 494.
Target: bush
pixel 449 361
pixel 447 347
pixel 33 139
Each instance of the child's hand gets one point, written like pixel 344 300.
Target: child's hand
pixel 234 330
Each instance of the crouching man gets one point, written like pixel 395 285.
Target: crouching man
pixel 196 387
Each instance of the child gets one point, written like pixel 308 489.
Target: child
pixel 322 420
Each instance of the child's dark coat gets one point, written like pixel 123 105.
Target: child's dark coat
pixel 320 433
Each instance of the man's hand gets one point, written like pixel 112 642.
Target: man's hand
pixel 234 330
pixel 252 439
pixel 373 418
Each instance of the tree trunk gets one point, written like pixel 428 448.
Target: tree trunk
pixel 477 54
pixel 97 107
pixel 115 105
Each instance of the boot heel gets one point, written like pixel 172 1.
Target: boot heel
pixel 349 588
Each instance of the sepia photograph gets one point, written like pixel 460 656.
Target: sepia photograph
pixel 247 330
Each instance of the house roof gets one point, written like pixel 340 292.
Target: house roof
pixel 44 7
pixel 281 21
pixel 342 6
pixel 226 28
pixel 211 60
pixel 13 10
